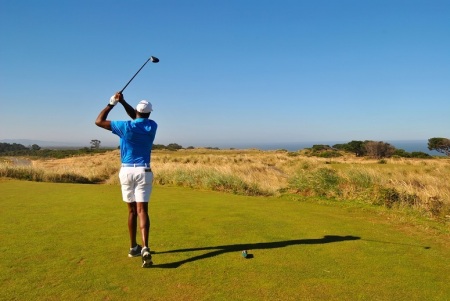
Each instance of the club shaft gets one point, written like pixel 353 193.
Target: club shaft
pixel 135 75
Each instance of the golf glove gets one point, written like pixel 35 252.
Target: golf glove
pixel 114 99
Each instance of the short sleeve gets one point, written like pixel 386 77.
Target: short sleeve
pixel 118 128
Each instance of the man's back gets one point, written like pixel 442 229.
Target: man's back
pixel 136 139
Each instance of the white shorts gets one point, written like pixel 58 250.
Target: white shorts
pixel 136 184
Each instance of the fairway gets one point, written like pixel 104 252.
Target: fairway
pixel 70 241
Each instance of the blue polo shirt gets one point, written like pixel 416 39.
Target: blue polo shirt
pixel 136 139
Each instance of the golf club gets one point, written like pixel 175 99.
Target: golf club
pixel 152 58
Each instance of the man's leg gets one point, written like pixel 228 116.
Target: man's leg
pixel 135 249
pixel 142 197
pixel 132 223
pixel 144 222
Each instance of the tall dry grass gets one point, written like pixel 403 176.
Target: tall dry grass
pixel 422 184
pixel 97 168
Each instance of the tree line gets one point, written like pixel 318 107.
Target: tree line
pixel 380 149
pixel 16 149
pixel 376 149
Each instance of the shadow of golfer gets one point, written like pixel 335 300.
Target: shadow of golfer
pixel 218 250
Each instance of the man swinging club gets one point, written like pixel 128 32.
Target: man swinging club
pixel 136 141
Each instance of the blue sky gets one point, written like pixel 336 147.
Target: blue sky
pixel 246 72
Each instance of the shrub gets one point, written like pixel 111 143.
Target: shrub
pixel 401 153
pixel 361 179
pixel 389 196
pixel 322 182
pixel 378 149
pixel 420 155
pixel 328 154
pixel 208 179
pixel 67 178
pixel 22 173
pixel 437 207
pixel 320 147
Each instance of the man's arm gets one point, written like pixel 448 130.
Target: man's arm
pixel 129 109
pixel 101 118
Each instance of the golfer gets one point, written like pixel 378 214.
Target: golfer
pixel 136 141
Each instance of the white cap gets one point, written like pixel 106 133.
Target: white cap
pixel 144 107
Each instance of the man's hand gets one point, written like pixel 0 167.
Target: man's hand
pixel 116 98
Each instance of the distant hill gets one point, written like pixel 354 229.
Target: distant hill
pixel 41 143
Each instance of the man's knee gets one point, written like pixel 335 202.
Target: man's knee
pixel 132 208
pixel 142 208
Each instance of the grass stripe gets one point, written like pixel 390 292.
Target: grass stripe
pixel 69 241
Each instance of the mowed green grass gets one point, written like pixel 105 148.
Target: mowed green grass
pixel 70 242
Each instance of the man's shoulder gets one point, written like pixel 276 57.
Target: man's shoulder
pixel 115 124
pixel 121 121
pixel 145 121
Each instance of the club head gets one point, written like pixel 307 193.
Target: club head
pixel 154 59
